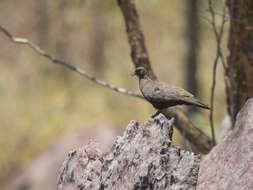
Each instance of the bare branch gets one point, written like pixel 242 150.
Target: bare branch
pixel 219 56
pixel 82 72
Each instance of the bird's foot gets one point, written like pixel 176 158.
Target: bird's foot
pixel 156 114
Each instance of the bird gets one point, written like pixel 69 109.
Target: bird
pixel 162 95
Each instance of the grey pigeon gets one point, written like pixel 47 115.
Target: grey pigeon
pixel 162 95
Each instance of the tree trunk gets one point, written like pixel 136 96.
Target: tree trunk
pixel 192 45
pixel 99 37
pixel 62 42
pixel 239 68
pixel 42 23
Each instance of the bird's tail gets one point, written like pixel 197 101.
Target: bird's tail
pixel 198 103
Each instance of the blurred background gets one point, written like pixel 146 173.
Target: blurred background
pixel 42 102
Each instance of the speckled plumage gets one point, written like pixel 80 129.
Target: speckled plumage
pixel 161 95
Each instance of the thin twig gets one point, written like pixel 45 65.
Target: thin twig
pixel 219 56
pixel 82 72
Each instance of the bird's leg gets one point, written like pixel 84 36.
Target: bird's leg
pixel 156 114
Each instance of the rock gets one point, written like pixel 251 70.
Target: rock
pixel 230 164
pixel 143 158
pixel 81 170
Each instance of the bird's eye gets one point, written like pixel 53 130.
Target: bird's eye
pixel 157 90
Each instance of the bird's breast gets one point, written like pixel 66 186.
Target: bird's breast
pixel 151 92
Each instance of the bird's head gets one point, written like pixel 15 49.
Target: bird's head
pixel 140 72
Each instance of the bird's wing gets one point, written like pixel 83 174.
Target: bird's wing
pixel 168 92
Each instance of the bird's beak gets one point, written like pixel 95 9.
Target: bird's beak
pixel 133 74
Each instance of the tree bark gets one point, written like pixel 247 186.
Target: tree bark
pixel 42 22
pixel 135 36
pixel 192 46
pixel 99 37
pixel 239 68
pixel 62 42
